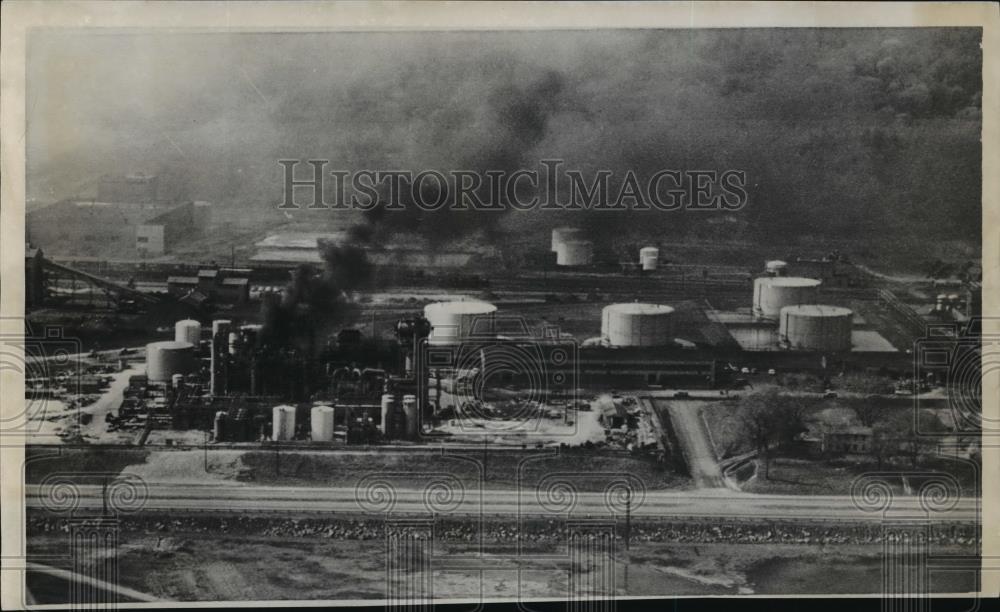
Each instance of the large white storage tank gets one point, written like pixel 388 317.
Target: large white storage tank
pixel 816 328
pixel 188 330
pixel 562 234
pixel 649 257
pixel 321 419
pixel 283 423
pixel 169 357
pixel 771 294
pixel 454 322
pixel 637 324
pixel 575 253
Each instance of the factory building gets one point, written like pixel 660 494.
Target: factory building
pixel 219 285
pixel 114 229
pixel 289 249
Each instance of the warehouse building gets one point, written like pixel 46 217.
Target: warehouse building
pixel 114 229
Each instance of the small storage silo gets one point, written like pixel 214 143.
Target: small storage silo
pixel 321 419
pixel 168 357
pixel 283 424
pixel 771 294
pixel 410 409
pixel 775 267
pixel 562 234
pixel 575 253
pixel 188 331
pixel 812 327
pixel 637 324
pixel 649 257
pixel 388 402
pixel 219 426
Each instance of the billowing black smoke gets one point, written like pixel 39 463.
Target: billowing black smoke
pixel 517 118
pixel 316 302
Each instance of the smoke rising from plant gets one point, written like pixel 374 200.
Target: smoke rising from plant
pixel 844 132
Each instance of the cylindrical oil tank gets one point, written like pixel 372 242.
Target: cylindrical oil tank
pixel 387 405
pixel 169 357
pixel 176 381
pixel 188 330
pixel 942 302
pixel 813 327
pixel 219 426
pixel 637 324
pixel 221 326
pixel 771 294
pixel 412 416
pixel 234 343
pixel 562 234
pixel 775 267
pixel 575 253
pixel 283 424
pixel 649 257
pixel 322 423
pixel 455 322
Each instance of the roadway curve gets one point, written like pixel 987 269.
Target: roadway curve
pixel 411 501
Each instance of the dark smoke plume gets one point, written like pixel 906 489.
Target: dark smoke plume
pixel 316 302
pixel 516 118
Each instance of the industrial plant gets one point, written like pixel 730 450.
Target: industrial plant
pixel 282 364
pixel 570 314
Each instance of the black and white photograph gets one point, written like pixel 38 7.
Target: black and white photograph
pixel 402 313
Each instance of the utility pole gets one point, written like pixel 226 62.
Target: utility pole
pixel 628 517
pixel 104 497
pixel 485 460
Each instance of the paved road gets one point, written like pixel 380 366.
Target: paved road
pixel 659 504
pixel 695 443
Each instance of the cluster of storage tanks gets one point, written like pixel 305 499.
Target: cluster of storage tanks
pixel 803 323
pixel 400 420
pixel 637 325
pixel 772 293
pixel 572 247
pixel 168 358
